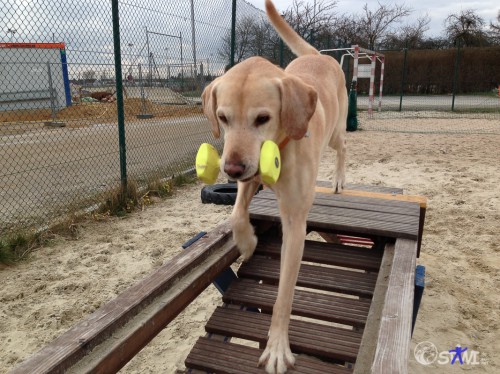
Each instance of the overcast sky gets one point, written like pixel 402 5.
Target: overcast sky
pixel 437 10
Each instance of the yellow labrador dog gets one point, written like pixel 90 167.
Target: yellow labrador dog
pixel 304 109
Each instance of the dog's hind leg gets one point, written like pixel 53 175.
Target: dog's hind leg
pixel 243 233
pixel 339 144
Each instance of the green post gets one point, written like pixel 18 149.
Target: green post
pixel 403 76
pixel 455 76
pixel 233 32
pixel 352 108
pixel 119 94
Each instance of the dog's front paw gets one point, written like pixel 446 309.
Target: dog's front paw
pixel 246 246
pixel 277 357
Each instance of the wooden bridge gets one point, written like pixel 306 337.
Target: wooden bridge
pixel 353 305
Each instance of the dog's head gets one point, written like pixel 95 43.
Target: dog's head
pixel 253 102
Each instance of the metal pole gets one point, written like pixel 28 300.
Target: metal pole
pixel 143 103
pixel 381 86
pixel 51 89
pixel 149 59
pixel 233 32
pixel 182 63
pixel 455 76
pixel 193 38
pixel 119 94
pixel 403 75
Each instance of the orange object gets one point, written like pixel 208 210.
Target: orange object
pixel 33 45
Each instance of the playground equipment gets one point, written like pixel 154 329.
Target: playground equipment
pixel 362 71
pixel 367 290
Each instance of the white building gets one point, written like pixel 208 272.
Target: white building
pixel 33 75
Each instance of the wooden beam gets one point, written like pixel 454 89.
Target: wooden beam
pixel 422 200
pixel 107 339
pixel 386 341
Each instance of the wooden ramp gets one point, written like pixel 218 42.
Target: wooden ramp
pixel 351 313
pixel 344 317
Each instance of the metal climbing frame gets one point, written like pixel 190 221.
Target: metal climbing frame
pixel 357 52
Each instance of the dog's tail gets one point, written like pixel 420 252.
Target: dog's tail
pixel 298 45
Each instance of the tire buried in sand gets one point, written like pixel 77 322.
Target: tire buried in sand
pixel 220 194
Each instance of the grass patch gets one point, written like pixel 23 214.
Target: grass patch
pixel 17 245
pixel 120 202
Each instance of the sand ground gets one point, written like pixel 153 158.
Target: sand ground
pixel 459 173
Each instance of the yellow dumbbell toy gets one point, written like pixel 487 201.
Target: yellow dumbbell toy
pixel 208 163
pixel 269 162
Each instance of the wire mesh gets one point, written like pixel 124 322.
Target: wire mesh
pixel 59 148
pixel 59 143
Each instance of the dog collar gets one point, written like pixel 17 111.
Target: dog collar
pixel 284 143
pixel 287 140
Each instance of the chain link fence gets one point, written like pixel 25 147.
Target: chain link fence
pixel 60 145
pixel 65 139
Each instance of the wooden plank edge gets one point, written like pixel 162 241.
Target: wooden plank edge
pixel 66 350
pixel 367 347
pixel 421 200
pixel 385 345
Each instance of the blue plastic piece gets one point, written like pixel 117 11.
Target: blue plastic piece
pixel 419 291
pixel 194 239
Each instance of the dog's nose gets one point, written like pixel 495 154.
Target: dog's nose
pixel 234 170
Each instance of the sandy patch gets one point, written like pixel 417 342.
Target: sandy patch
pixel 62 283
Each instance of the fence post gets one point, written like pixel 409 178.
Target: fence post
pixel 119 95
pixel 51 89
pixel 455 76
pixel 233 32
pixel 403 76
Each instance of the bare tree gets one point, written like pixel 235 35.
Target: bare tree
pixel 244 37
pixel 308 19
pixel 408 36
pixel 376 24
pixel 495 29
pixel 466 26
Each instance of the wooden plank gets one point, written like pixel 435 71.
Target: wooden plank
pixel 370 333
pixel 393 336
pixel 353 202
pixel 393 344
pixel 421 200
pixel 326 307
pixel 327 253
pixel 312 276
pixel 305 337
pixel 320 222
pixel 138 314
pixel 388 213
pixel 363 187
pixel 228 358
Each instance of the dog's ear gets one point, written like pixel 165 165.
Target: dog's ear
pixel 298 103
pixel 209 101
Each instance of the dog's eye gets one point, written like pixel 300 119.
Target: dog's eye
pixel 223 118
pixel 262 119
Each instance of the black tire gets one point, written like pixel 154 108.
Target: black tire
pixel 220 194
